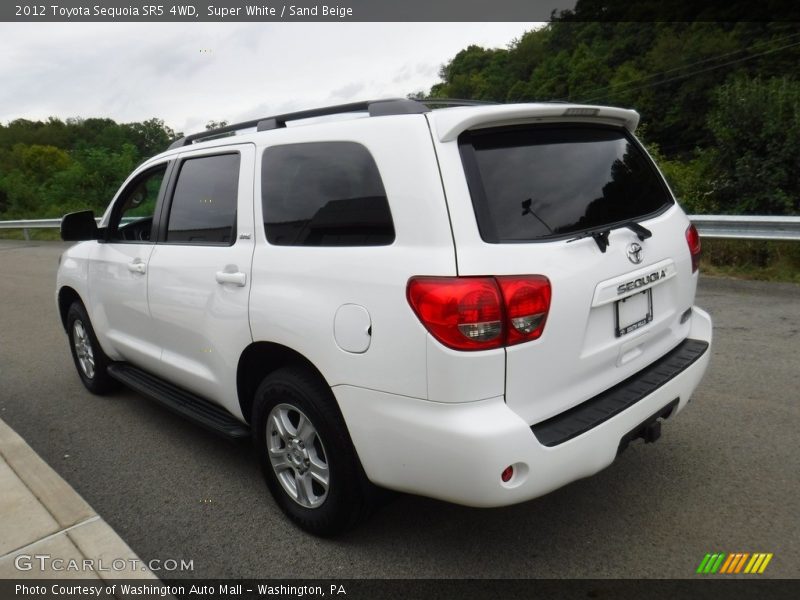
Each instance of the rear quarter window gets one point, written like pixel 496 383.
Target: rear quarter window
pixel 545 182
pixel 324 194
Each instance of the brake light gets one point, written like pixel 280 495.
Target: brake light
pixel 693 239
pixel 464 313
pixel 480 313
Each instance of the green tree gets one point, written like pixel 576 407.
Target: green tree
pixel 55 166
pixel 25 172
pixel 756 152
pixel 151 137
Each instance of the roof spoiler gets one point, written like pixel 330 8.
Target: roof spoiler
pixel 449 125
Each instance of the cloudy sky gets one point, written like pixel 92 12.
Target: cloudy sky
pixel 188 74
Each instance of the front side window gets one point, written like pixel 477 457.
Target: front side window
pixel 203 209
pixel 550 181
pixel 324 194
pixel 132 218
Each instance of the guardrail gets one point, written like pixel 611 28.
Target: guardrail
pixel 27 224
pixel 740 227
pixel 747 227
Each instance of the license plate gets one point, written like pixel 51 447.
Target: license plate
pixel 633 312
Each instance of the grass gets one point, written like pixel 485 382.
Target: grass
pixel 751 259
pixel 35 234
pixel 742 259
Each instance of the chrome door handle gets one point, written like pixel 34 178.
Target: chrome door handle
pixel 236 278
pixel 137 266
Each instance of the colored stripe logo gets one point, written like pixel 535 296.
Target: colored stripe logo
pixel 734 563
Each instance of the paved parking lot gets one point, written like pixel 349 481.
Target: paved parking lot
pixel 723 477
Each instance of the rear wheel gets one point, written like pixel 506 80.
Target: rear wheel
pixel 306 454
pixel 90 360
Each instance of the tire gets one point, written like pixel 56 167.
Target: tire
pixel 306 454
pixel 89 358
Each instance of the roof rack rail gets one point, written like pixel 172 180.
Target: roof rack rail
pixel 454 102
pixel 375 108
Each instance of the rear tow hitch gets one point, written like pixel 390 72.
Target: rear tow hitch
pixel 652 432
pixel 649 430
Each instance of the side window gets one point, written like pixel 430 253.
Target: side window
pixel 324 194
pixel 132 218
pixel 203 209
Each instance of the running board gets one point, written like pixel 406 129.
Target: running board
pixel 186 404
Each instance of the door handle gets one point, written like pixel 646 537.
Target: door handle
pixel 137 266
pixel 235 277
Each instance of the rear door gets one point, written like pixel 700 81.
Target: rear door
pixel 582 204
pixel 199 272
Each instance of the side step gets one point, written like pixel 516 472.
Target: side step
pixel 186 404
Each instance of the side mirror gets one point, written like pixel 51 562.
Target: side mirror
pixel 79 226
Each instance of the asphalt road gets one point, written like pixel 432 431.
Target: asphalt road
pixel 723 477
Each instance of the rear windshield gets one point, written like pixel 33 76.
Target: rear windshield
pixel 545 182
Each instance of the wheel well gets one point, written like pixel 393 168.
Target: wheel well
pixel 259 360
pixel 66 296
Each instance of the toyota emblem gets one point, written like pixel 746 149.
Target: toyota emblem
pixel 635 253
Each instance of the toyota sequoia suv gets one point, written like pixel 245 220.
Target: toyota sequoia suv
pixel 479 303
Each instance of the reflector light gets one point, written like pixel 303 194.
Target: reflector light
pixel 507 474
pixel 695 249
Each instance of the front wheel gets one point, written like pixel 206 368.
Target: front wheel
pixel 90 360
pixel 306 454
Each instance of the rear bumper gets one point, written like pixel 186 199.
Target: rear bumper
pixel 457 451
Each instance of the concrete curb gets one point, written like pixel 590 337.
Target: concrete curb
pixel 41 515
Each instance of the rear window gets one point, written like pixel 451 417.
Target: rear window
pixel 546 182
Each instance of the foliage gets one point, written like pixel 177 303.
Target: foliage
pixel 756 154
pixel 53 167
pixel 216 125
pixel 752 259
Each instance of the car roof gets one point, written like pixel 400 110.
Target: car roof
pixel 447 123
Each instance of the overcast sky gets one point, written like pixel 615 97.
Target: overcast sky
pixel 188 74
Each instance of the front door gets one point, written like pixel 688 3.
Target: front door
pixel 118 273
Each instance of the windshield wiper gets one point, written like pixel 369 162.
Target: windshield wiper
pixel 641 232
pixel 598 235
pixel 601 235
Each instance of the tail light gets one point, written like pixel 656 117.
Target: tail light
pixel 526 301
pixel 480 313
pixel 693 239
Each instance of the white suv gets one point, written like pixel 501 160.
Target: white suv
pixel 477 303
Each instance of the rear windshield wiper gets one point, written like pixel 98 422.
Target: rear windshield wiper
pixel 641 232
pixel 600 236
